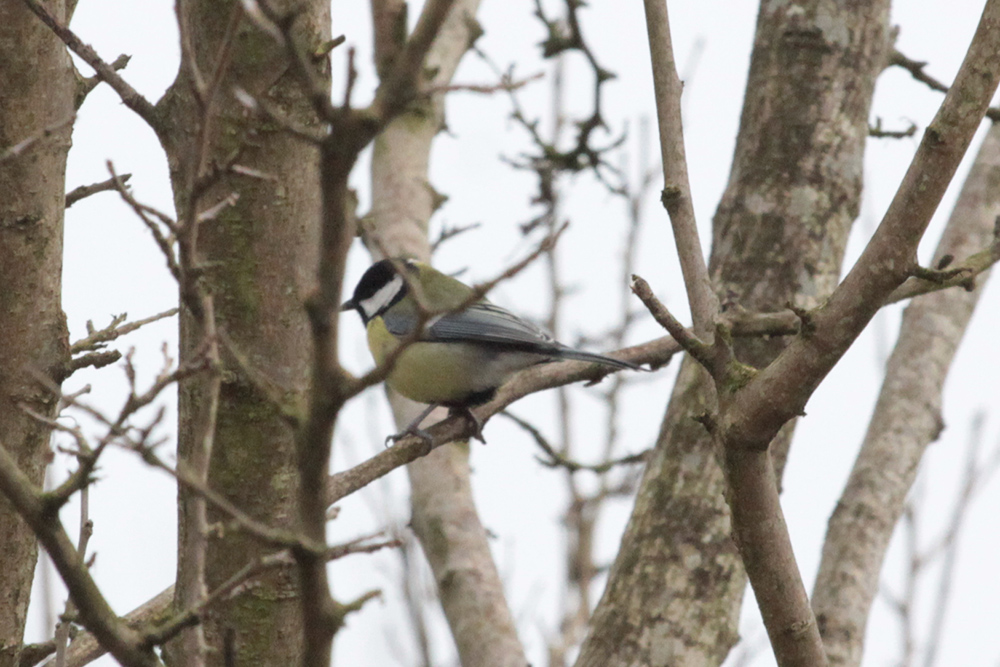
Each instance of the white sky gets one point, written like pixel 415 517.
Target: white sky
pixel 112 266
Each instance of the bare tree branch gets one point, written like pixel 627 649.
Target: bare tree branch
pixel 558 460
pixel 330 387
pixel 916 70
pixel 877 132
pixel 160 623
pixel 907 418
pixel 191 616
pixel 129 95
pixel 698 349
pixel 165 242
pixel 96 338
pixel 191 582
pixel 751 416
pixel 84 191
pixel 753 407
pixel 507 84
pixel 407 70
pixel 448 233
pixel 781 390
pixel 976 475
pixel 766 549
pixel 676 189
pixel 96 614
pixel 444 516
pixel 85 648
pixel 86 530
pixel 85 85
pixel 341 484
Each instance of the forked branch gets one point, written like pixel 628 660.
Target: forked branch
pixel 129 95
pixel 676 188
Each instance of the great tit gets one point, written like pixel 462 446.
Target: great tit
pixel 463 354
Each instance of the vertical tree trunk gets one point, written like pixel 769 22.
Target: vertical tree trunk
pixel 259 258
pixel 907 419
pixel 36 101
pixel 675 589
pixel 445 519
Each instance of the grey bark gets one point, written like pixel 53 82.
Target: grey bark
pixel 259 258
pixel 444 513
pixel 36 102
pixel 779 234
pixel 907 419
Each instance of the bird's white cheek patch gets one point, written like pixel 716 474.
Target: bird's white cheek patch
pixel 381 299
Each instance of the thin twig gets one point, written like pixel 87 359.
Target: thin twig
pixel 977 474
pixel 964 274
pixel 506 84
pixel 687 339
pixel 84 191
pixel 676 188
pixel 425 314
pixel 448 233
pixel 97 338
pixel 85 86
pixel 191 581
pixel 563 35
pixel 916 70
pixel 558 460
pixel 240 520
pixel 95 612
pixel 129 95
pixel 86 530
pixel 163 241
pixel 877 132
pixel 117 428
pixel 191 616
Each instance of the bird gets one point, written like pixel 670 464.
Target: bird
pixel 459 348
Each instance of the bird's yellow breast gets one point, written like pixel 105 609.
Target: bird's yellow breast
pixel 444 373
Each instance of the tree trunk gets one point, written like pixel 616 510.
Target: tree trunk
pixel 445 519
pixel 907 419
pixel 36 102
pixel 676 586
pixel 258 258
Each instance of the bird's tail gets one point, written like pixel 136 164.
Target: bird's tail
pixel 580 355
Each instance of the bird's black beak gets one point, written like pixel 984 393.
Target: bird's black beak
pixel 348 305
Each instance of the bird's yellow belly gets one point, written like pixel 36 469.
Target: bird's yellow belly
pixel 443 373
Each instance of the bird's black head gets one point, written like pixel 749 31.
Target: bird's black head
pixel 379 289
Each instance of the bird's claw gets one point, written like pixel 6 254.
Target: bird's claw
pixel 412 429
pixel 477 425
pixel 416 432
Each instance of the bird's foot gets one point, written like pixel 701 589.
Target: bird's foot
pixel 413 428
pixel 409 430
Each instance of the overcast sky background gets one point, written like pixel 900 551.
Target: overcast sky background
pixel 113 266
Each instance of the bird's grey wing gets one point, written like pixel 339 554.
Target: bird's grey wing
pixel 400 322
pixel 486 323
